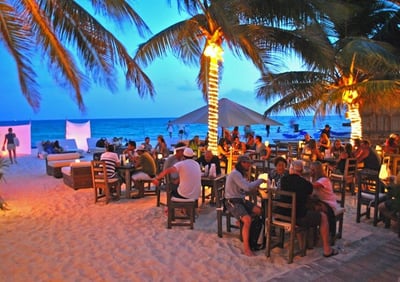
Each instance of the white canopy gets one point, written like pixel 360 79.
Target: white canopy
pixel 80 132
pixel 23 133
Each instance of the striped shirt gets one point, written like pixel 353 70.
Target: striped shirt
pixel 111 160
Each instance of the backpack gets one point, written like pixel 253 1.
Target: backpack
pixel 257 234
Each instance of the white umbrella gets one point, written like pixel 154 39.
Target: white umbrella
pixel 230 114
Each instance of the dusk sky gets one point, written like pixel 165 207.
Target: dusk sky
pixel 175 83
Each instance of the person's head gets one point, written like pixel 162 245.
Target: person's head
pixel 160 139
pixel 297 166
pixel 317 170
pixel 179 148
pixel 258 139
pixel 365 144
pixel 188 153
pixel 307 137
pixel 147 140
pixel 280 165
pixel 110 148
pixel 236 128
pixel 337 144
pixel 222 142
pixel 131 145
pixel 327 127
pixel 312 144
pixel 208 155
pixel 196 138
pixel 243 164
pixel 9 129
pixel 348 148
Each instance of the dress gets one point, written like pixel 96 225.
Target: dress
pixel 111 160
pixel 189 178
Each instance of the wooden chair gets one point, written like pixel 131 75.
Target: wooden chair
pixel 223 212
pixel 339 212
pixel 276 219
pixel 348 177
pixel 103 185
pixel 145 189
pixel 188 205
pixel 369 194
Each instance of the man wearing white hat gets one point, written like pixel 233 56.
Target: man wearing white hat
pixel 189 176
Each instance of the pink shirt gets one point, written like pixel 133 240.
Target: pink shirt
pixel 325 193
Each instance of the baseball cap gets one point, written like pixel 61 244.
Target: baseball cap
pixel 141 148
pixel 244 158
pixel 180 146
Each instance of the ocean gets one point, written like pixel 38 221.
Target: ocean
pixel 138 128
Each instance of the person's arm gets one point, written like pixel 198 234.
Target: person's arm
pixel 245 185
pixel 163 173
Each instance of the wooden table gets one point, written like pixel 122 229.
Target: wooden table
pixel 127 172
pixel 214 183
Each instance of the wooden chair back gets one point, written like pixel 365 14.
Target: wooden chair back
pixel 222 211
pixel 282 214
pixel 101 183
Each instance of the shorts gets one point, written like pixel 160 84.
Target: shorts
pixel 239 207
pixel 311 219
pixel 10 147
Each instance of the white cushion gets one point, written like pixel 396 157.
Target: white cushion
pixel 339 211
pixel 180 200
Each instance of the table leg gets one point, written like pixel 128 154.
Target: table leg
pixel 127 183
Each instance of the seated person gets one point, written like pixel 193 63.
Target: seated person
pixel 130 151
pixel 189 176
pixel 251 143
pixel 368 156
pixel 392 144
pixel 280 171
pixel 223 150
pixel 324 143
pixel 323 191
pixel 112 161
pixel 145 165
pixel 57 148
pixel 311 152
pixel 341 161
pixel 307 138
pixel 294 182
pixel 207 159
pixel 194 144
pixel 236 188
pixel 161 148
pixel 263 151
pixel 173 159
pixel 147 144
pixel 337 149
pixel 235 133
pixel 238 147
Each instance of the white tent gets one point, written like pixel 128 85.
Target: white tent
pixel 23 132
pixel 80 132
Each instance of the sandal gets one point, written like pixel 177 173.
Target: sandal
pixel 334 252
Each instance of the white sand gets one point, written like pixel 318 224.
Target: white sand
pixel 54 233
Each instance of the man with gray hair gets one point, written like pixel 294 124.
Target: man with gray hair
pixel 294 182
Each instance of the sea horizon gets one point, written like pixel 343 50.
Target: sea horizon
pixel 139 128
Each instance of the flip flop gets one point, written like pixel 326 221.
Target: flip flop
pixel 334 252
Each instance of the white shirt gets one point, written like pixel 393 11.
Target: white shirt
pixel 189 178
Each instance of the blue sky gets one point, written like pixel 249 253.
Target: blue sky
pixel 175 83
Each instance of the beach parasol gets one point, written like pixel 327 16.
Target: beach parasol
pixel 230 114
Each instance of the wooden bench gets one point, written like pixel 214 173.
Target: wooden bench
pixel 54 162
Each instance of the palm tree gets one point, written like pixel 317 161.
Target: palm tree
pixel 53 28
pixel 200 39
pixel 365 72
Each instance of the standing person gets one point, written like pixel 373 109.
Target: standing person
pixel 294 182
pixel 263 151
pixel 170 128
pixel 327 130
pixel 236 188
pixel 9 138
pixel 267 129
pixel 147 144
pixel 189 177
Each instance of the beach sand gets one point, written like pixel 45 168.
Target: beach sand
pixel 54 233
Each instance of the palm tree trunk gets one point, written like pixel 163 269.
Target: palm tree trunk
pixel 213 105
pixel 353 114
